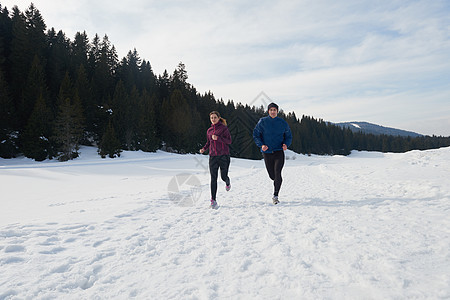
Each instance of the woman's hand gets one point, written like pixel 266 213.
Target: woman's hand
pixel 214 137
pixel 202 150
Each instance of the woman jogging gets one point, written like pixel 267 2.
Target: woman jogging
pixel 218 138
pixel 273 135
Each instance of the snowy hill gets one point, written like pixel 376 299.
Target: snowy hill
pixel 370 128
pixel 364 226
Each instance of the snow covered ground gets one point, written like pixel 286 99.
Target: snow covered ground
pixel 366 226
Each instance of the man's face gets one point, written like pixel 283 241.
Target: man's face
pixel 273 112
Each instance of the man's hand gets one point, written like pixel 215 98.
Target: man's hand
pixel 284 147
pixel 264 147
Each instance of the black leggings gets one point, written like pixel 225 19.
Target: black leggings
pixel 274 164
pixel 216 162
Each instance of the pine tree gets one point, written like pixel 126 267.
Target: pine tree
pixel 177 119
pixel 241 126
pixel 36 136
pixel 28 42
pixel 65 89
pixel 35 87
pixel 80 49
pixel 19 59
pixel 197 133
pixel 68 130
pixel 148 140
pixel 90 108
pixel 8 137
pixel 93 55
pixel 36 37
pixel 109 145
pixel 132 120
pixel 148 78
pixel 129 71
pixel 68 127
pixel 5 39
pixel 58 63
pixel 109 55
pixel 103 64
pixel 179 79
pixel 120 116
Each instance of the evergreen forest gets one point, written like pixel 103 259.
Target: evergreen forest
pixel 57 94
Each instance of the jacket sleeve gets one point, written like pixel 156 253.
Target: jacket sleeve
pixel 287 135
pixel 225 137
pixel 206 147
pixel 257 135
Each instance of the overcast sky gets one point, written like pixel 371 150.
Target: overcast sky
pixel 386 62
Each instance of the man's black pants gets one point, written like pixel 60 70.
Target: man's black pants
pixel 274 164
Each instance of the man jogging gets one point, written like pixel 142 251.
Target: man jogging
pixel 273 135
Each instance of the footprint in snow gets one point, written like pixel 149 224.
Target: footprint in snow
pixel 14 248
pixel 61 269
pixel 11 260
pixel 53 251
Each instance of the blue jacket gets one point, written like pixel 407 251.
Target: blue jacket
pixel 272 132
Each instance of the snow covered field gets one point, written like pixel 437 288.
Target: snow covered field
pixel 366 226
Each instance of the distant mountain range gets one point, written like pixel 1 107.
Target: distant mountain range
pixel 370 128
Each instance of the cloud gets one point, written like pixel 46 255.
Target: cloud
pixel 351 60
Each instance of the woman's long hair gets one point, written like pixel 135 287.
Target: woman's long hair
pixel 222 120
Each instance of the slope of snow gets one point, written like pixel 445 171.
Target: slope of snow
pixel 366 226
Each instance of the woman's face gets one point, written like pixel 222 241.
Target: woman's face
pixel 214 119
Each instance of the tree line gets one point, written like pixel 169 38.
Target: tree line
pixel 57 94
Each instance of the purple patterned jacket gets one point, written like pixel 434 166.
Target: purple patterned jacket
pixel 221 145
